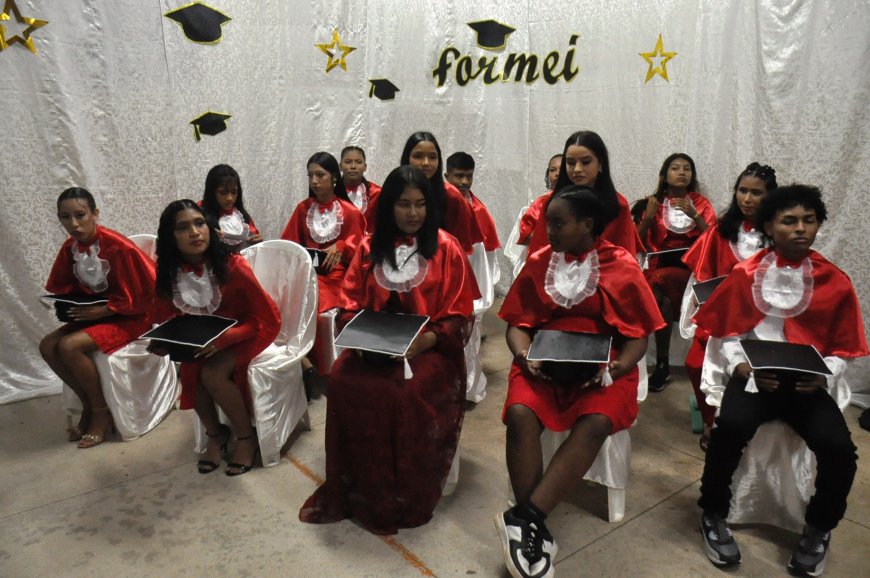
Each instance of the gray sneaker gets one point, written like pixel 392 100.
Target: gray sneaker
pixel 719 544
pixel 808 559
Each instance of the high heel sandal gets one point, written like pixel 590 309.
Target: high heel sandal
pixel 90 440
pixel 208 466
pixel 242 468
pixel 77 431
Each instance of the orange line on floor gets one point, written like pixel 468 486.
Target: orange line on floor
pixel 409 556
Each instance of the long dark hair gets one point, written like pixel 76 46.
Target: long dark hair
pixel 585 203
pixel 386 230
pixel 213 180
pixel 169 257
pixel 732 218
pixel 604 182
pixel 328 162
pixel 663 175
pixel 437 180
pixel 354 148
pixel 77 193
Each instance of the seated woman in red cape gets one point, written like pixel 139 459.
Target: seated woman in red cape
pixel 578 283
pixel 390 441
pixel 94 260
pixel 197 275
pixel 675 216
pixel 787 292
pixel 329 222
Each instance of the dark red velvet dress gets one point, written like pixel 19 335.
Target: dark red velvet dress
pixel 390 441
pixel 128 275
pixel 613 299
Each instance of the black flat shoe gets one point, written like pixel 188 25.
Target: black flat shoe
pixel 658 379
pixel 311 381
pixel 208 466
pixel 242 468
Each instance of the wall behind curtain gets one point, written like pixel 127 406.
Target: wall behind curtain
pixel 107 102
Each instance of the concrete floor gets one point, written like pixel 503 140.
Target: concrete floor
pixel 141 509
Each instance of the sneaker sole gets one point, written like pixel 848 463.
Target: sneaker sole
pixel 713 555
pixel 505 545
pixel 795 571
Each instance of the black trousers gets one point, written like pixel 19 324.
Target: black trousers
pixel 815 417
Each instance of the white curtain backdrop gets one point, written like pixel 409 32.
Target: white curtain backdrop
pixel 107 101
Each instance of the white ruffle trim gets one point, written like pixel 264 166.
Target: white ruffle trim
pixel 196 294
pixel 234 224
pixel 413 268
pixel 325 225
pixel 359 197
pixel 748 244
pixel 568 284
pixel 782 291
pixel 676 220
pixel 89 269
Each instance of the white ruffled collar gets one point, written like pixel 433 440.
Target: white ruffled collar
pixel 233 224
pixel 359 197
pixel 89 269
pixel 569 283
pixel 782 291
pixel 412 269
pixel 196 294
pixel 748 243
pixel 676 220
pixel 324 221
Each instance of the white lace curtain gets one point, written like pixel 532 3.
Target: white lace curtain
pixel 107 101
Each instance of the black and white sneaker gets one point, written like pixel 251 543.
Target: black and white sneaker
pixel 719 544
pixel 808 559
pixel 528 547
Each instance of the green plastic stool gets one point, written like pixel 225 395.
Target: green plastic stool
pixel 697 420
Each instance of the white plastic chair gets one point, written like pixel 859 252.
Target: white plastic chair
pixel 516 253
pixel 140 388
pixel 284 270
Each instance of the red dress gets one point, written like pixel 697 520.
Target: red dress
pixel 601 292
pixel 827 316
pixel 673 229
pixel 484 222
pixel 364 198
pixel 390 441
pixel 620 231
pixel 317 225
pixel 711 256
pixel 241 298
pixel 117 269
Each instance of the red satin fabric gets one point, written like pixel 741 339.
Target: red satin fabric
pixel 373 191
pixel 259 321
pixel 711 255
pixel 832 321
pixel 352 231
pixel 485 223
pixel 459 219
pixel 131 281
pixel 660 238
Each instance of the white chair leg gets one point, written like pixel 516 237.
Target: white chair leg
pixel 452 476
pixel 305 421
pixel 615 504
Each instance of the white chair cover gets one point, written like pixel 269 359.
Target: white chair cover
pixel 326 349
pixel 284 270
pixel 775 478
pixel 140 388
pixel 516 253
pixel 482 266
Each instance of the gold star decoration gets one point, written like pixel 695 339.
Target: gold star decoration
pixel 330 51
pixel 25 39
pixel 663 57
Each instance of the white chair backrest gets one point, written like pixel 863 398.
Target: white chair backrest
pixel 284 270
pixel 147 243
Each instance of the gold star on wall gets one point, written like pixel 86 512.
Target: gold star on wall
pixel 662 67
pixel 330 51
pixel 25 39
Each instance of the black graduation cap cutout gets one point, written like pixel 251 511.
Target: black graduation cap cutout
pixel 210 123
pixel 570 357
pixel 185 335
pixel 383 89
pixel 201 23
pixel 382 336
pixel 63 303
pixel 669 257
pixel 787 360
pixel 703 289
pixel 491 34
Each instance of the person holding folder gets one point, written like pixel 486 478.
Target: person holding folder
pixel 674 217
pixel 734 238
pixel 578 283
pixel 391 437
pixel 197 275
pixel 787 292
pixel 94 261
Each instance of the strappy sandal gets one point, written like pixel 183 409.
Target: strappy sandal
pixel 208 466
pixel 242 468
pixel 90 440
pixel 77 431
